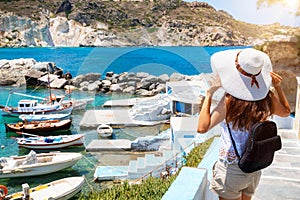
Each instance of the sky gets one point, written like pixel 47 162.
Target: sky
pixel 247 11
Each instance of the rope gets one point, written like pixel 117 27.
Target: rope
pixel 90 161
pixel 87 182
pixel 90 186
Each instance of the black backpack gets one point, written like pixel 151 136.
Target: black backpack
pixel 262 143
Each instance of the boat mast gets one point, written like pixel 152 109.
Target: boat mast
pixel 49 84
pixel 8 99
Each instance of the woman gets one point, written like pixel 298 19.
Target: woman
pixel 246 76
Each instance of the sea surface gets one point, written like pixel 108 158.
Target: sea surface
pixel 153 60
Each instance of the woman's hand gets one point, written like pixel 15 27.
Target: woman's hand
pixel 280 104
pixel 276 79
pixel 215 86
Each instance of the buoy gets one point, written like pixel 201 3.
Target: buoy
pixel 2 146
pixel 53 97
pixel 3 192
pixel 68 91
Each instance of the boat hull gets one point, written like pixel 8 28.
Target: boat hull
pixel 75 141
pixel 43 127
pixel 61 189
pixel 69 160
pixel 104 130
pixel 66 109
pixel 57 116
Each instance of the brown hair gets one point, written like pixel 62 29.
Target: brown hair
pixel 243 113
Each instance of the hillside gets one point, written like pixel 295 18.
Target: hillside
pixel 127 23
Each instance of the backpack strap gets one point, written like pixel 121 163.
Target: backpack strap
pixel 233 142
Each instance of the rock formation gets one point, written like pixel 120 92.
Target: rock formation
pixel 12 72
pixel 285 58
pixel 128 23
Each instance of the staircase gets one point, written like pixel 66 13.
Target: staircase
pixel 152 165
pixel 281 180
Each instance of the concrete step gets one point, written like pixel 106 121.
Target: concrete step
pixel 290 150
pixel 277 189
pixel 290 143
pixel 132 166
pixel 152 160
pixel 284 160
pixel 287 134
pixel 141 162
pixel 282 173
pixel 167 155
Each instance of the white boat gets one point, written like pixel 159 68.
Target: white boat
pixel 50 142
pixel 79 104
pixel 104 130
pixel 61 189
pixel 106 173
pixel 35 164
pixel 52 104
pixel 45 117
pixel 151 109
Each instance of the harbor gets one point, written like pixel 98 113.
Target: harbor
pixel 151 128
pixel 146 154
pixel 156 114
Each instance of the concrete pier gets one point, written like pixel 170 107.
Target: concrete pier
pixel 113 117
pixel 108 145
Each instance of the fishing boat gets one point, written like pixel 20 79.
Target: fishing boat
pixel 49 105
pixel 61 189
pixel 40 126
pixel 44 117
pixel 50 142
pixel 104 130
pixel 35 164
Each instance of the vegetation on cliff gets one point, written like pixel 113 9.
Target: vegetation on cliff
pixel 145 22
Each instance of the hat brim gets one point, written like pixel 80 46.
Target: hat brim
pixel 237 84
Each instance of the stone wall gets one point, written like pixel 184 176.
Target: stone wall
pixel 285 58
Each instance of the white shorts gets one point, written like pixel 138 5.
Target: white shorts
pixel 229 181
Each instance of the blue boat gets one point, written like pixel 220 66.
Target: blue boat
pixel 44 117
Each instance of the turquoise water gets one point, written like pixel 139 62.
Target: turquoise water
pixel 87 165
pixel 156 61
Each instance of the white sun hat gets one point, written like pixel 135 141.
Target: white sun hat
pixel 244 73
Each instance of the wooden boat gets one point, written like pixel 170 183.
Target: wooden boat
pixel 50 105
pixel 61 189
pixel 44 117
pixel 40 126
pixel 50 142
pixel 104 130
pixel 35 164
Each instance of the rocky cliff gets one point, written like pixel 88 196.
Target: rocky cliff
pixel 285 58
pixel 127 23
